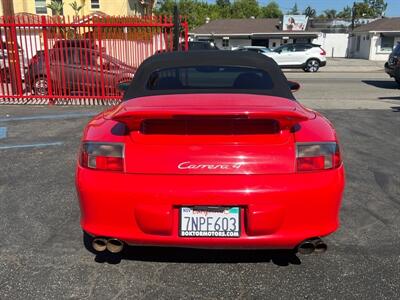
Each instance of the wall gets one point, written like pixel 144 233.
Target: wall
pixel 369 49
pixel 365 44
pixel 237 42
pixel 110 7
pixel 335 44
pixel 233 42
pixel 375 51
pixel 278 42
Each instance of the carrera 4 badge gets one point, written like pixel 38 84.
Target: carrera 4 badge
pixel 187 165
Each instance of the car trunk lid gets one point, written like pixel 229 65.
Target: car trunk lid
pixel 220 134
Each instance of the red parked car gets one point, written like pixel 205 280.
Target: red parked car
pixel 76 71
pixel 209 150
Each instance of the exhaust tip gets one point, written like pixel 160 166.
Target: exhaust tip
pixel 306 247
pixel 320 247
pixel 114 245
pixel 99 244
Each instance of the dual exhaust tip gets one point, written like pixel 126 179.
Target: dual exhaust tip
pixel 313 245
pixel 112 245
pixel 116 246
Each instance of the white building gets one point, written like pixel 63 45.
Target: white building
pixel 375 40
pixel 229 33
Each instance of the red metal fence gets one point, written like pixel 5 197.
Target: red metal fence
pixel 79 60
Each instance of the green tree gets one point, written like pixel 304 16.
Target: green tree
pixel 271 10
pixel 378 7
pixel 330 13
pixel 245 9
pixel 370 9
pixel 165 7
pixel 223 3
pixel 76 7
pixel 196 12
pixel 345 13
pixel 224 8
pixel 294 11
pixel 56 7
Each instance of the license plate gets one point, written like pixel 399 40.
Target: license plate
pixel 210 222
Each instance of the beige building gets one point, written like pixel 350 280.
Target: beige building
pixel 110 7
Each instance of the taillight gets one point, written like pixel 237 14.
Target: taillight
pixel 317 156
pixel 323 52
pixel 102 156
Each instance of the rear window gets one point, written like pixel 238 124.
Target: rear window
pixel 300 48
pixel 210 77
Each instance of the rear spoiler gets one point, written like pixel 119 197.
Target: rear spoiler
pixel 287 118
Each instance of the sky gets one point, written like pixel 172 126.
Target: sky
pixel 320 5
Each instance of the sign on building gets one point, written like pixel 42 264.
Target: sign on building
pixel 294 22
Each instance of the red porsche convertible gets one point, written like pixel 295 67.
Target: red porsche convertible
pixel 209 150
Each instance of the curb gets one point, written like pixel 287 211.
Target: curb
pixel 344 70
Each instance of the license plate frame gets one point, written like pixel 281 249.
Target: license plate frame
pixel 232 213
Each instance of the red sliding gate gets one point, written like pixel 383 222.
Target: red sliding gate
pixel 77 61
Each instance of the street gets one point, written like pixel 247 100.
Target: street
pixel 42 255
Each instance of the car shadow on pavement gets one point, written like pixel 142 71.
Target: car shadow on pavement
pixel 383 84
pixel 282 258
pixel 395 108
pixel 188 255
pixel 389 98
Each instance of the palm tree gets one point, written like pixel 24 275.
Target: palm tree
pixel 76 7
pixel 56 7
pixel 330 13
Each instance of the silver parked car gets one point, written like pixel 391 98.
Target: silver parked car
pixel 257 49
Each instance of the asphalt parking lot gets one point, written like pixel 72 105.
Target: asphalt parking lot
pixel 41 250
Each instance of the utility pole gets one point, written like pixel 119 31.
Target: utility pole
pixel 177 29
pixel 12 47
pixel 353 16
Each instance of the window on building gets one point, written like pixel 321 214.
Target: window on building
pixel 225 42
pixel 95 4
pixel 40 7
pixel 387 43
pixel 358 43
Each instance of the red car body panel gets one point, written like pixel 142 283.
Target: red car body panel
pixel 280 207
pixel 279 211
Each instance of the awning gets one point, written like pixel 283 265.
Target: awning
pixel 266 35
pixel 303 35
pixel 391 34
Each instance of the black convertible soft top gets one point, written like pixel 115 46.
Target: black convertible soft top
pixel 174 60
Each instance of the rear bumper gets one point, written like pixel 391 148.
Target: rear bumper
pixel 323 63
pixel 277 211
pixel 390 70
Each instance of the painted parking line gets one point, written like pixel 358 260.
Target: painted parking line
pixel 49 117
pixel 3 132
pixel 38 145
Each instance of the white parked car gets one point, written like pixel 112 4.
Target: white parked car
pixel 309 57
